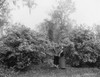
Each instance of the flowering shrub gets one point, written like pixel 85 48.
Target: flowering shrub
pixel 20 48
pixel 82 48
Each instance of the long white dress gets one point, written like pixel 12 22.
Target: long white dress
pixel 62 62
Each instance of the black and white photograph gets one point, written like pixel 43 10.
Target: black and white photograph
pixel 49 38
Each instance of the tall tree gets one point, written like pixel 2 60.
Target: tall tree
pixel 5 10
pixel 4 14
pixel 28 3
pixel 60 22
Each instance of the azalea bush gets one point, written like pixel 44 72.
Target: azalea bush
pixel 82 48
pixel 20 48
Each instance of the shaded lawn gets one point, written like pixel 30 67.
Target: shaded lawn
pixel 46 71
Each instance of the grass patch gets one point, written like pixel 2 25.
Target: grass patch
pixel 45 71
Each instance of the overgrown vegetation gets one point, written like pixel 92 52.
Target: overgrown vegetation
pixel 84 48
pixel 22 47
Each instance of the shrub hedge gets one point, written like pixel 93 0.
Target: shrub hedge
pixel 22 47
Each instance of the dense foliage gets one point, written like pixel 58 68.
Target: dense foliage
pixel 83 48
pixel 20 48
